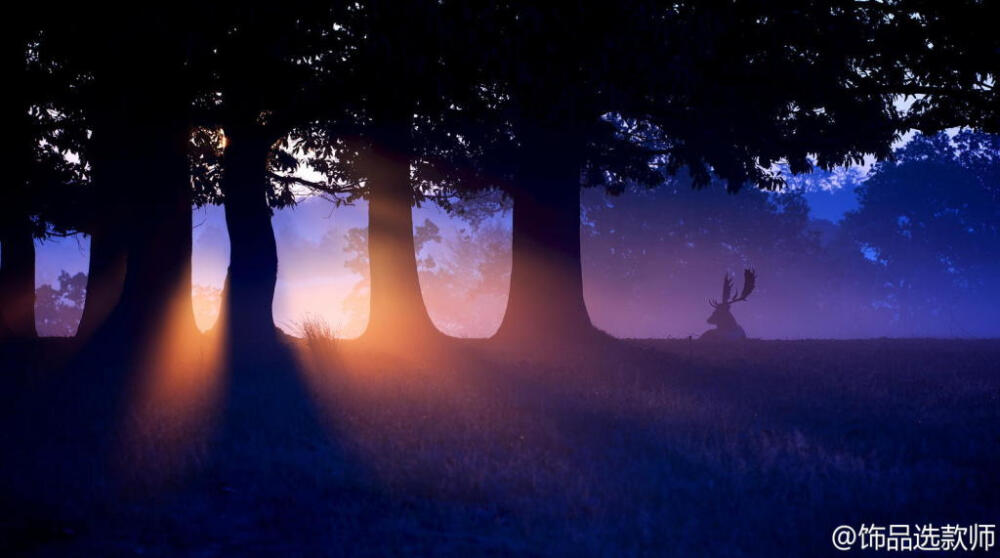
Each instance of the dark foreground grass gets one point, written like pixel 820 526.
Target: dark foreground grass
pixel 639 448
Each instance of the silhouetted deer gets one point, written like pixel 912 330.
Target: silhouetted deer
pixel 726 328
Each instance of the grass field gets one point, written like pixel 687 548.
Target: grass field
pixel 633 448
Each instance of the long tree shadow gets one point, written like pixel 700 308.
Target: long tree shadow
pixel 62 426
pixel 467 448
pixel 111 444
pixel 271 478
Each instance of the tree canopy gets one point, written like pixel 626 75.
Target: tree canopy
pixel 124 119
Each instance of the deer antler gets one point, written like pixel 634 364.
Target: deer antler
pixel 749 282
pixel 727 288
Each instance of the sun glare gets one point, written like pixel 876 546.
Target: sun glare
pixel 176 394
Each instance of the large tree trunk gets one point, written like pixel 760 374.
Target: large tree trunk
pixel 253 258
pixel 158 273
pixel 17 245
pixel 105 274
pixel 112 173
pixel 157 287
pixel 546 285
pixel 17 279
pixel 397 312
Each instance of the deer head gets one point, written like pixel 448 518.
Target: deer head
pixel 721 316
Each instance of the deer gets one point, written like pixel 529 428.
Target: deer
pixel 726 328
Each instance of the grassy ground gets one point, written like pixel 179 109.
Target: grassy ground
pixel 633 448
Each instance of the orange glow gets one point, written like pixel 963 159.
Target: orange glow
pixel 207 302
pixel 334 301
pixel 401 412
pixel 175 396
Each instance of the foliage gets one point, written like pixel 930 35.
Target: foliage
pixel 464 275
pixel 931 220
pixel 58 309
pixel 652 259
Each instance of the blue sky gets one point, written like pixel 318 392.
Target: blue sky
pixel 831 204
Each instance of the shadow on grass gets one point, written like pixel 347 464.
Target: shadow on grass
pixel 330 447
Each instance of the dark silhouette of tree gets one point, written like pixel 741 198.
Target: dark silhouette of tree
pixel 263 87
pixel 17 250
pixel 407 69
pixel 136 73
pixel 43 184
pixel 553 73
pixel 441 101
pixel 726 89
pixel 930 220
pixel 949 58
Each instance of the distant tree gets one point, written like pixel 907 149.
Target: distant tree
pixel 58 310
pixel 652 258
pixel 466 288
pixel 930 219
pixel 207 305
pixel 356 247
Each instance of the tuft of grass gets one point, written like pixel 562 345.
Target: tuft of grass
pixel 319 335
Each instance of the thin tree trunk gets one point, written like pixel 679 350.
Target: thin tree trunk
pixel 253 259
pixel 17 279
pixel 546 286
pixel 398 313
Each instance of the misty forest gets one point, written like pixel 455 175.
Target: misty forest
pixel 693 278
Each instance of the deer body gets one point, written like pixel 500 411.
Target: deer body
pixel 726 327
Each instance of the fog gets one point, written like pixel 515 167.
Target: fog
pixel 902 249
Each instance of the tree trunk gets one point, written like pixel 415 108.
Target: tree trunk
pixel 17 244
pixel 157 287
pixel 546 283
pixel 17 279
pixel 253 257
pixel 397 306
pixel 112 172
pixel 158 273
pixel 105 274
